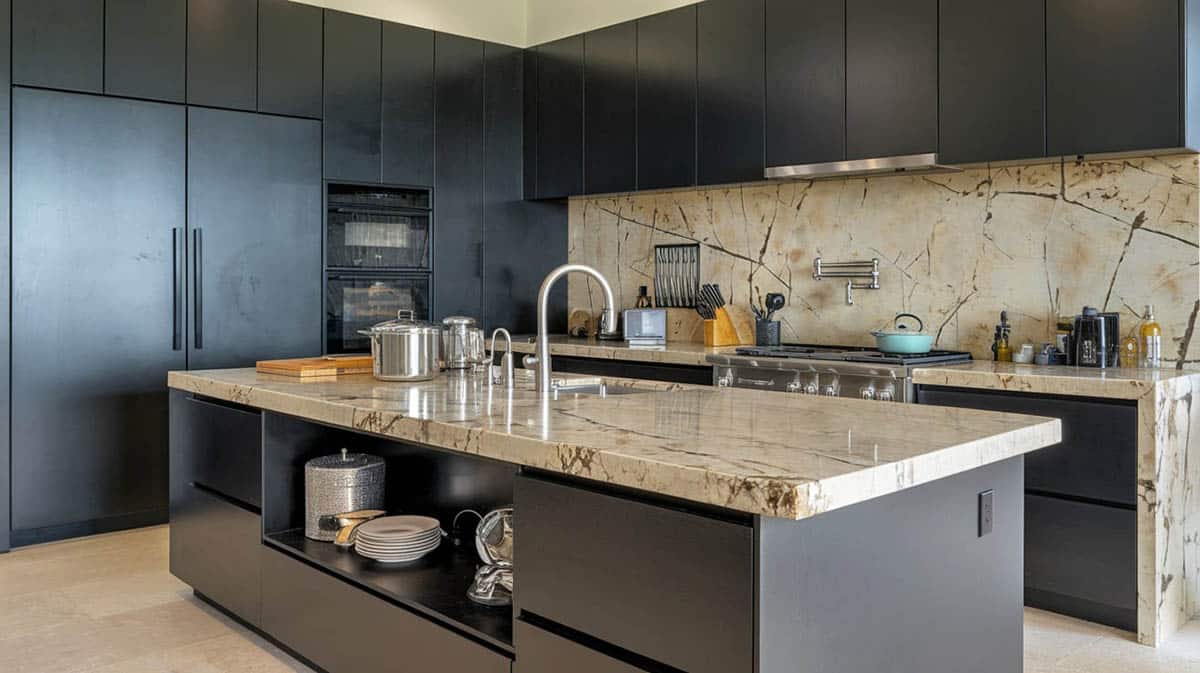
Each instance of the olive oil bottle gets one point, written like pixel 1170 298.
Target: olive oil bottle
pixel 1151 346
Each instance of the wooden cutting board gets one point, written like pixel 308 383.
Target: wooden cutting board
pixel 333 365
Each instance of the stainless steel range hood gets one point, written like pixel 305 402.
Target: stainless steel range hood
pixel 909 164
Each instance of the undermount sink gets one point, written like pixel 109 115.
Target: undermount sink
pixel 598 389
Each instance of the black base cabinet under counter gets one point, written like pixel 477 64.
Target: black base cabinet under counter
pixel 1080 503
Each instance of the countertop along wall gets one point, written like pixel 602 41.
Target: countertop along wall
pixel 956 248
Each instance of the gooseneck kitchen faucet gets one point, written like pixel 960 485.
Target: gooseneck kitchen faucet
pixel 541 356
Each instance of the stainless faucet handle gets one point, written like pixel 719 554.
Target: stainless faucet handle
pixel 506 360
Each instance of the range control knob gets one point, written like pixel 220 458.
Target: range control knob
pixel 725 380
pixel 830 390
pixel 794 387
pixel 867 393
pixel 886 395
pixel 810 388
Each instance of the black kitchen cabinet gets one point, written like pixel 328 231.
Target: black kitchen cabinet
pixel 5 265
pixel 408 55
pixel 610 109
pixel 145 49
pixel 991 57
pixel 1112 75
pixel 560 118
pixel 666 100
pixel 891 78
pixel 545 652
pixel 58 44
pixel 254 212
pixel 353 109
pixel 289 58
pixel 222 53
pixel 806 81
pixel 98 218
pixel 529 142
pixel 458 182
pixel 731 89
pixel 1080 502
pixel 216 533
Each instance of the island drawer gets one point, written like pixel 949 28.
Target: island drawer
pixel 217 445
pixel 216 548
pixel 1081 560
pixel 343 629
pixel 545 652
pixel 671 585
pixel 1097 458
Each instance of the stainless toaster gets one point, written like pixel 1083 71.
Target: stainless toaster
pixel 645 326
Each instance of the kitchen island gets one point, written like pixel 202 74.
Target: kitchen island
pixel 663 528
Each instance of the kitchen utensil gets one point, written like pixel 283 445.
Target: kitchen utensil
pixel 775 301
pixel 404 349
pixel 493 582
pixel 903 339
pixel 462 343
pixel 330 365
pixel 720 331
pixel 398 539
pixel 676 275
pixel 349 523
pixel 339 483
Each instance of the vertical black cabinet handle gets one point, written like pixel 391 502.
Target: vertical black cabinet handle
pixel 176 287
pixel 198 280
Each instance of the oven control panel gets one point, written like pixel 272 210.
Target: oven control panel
pixel 876 386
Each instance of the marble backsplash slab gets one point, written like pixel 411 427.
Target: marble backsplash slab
pixel 955 248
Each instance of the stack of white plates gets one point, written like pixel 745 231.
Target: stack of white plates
pixel 397 539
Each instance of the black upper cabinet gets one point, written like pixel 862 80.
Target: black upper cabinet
pixel 222 53
pixel 730 71
pixel 610 109
pixel 353 81
pixel 992 64
pixel 407 105
pixel 560 118
pixel 458 183
pixel 1112 75
pixel 145 47
pixel 529 144
pixel 806 81
pixel 666 118
pixel 58 44
pixel 891 78
pixel 289 58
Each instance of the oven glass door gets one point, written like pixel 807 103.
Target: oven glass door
pixel 356 302
pixel 363 238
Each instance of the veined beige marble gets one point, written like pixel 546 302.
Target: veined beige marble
pixel 1168 470
pixel 762 453
pixel 1038 240
pixel 674 352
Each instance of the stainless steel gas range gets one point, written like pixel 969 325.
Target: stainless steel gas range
pixel 833 371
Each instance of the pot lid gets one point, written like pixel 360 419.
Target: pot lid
pixel 458 320
pixel 903 327
pixel 344 461
pixel 403 324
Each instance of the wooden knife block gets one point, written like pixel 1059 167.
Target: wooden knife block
pixel 720 332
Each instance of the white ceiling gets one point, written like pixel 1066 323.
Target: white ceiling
pixel 520 23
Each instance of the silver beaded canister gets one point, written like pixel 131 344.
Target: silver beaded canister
pixel 336 484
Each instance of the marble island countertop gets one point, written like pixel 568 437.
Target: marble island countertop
pixel 1114 383
pixel 763 453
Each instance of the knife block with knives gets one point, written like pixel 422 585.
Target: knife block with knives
pixel 719 329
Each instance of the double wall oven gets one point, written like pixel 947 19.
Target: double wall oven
pixel 378 252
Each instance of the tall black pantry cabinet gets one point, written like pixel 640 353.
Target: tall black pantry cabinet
pixel 98 218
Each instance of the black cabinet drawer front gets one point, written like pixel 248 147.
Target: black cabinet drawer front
pixel 343 629
pixel 545 652
pixel 672 586
pixel 1081 559
pixel 700 376
pixel 216 548
pixel 226 450
pixel 1097 459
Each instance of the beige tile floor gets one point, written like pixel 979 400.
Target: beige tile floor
pixel 107 604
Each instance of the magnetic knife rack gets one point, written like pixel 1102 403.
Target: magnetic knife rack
pixel 864 271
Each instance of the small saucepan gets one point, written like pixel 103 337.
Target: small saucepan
pixel 904 340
